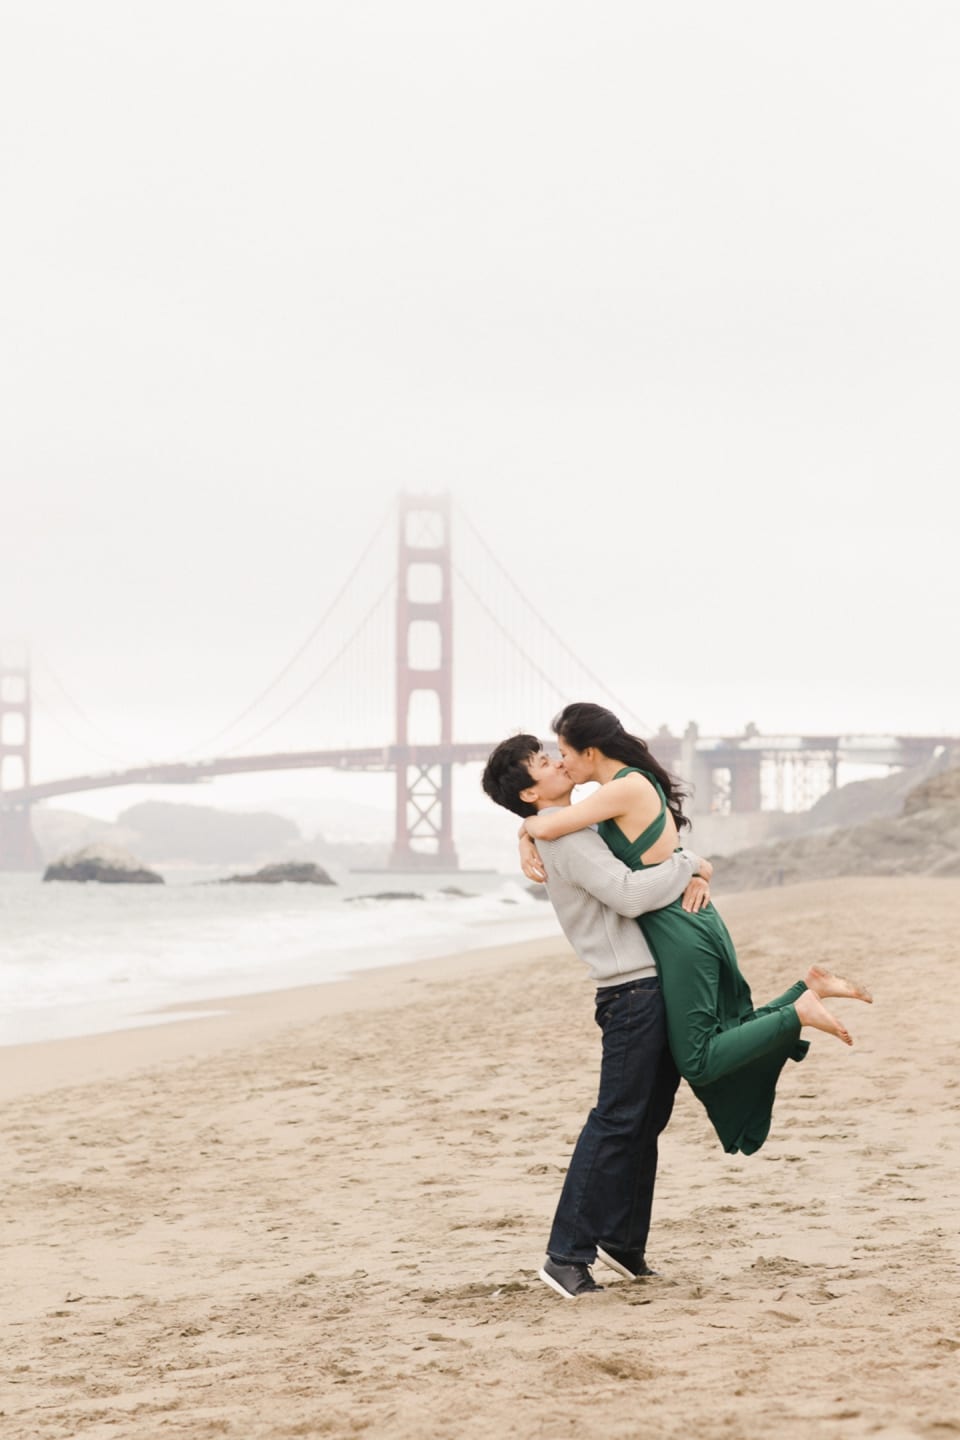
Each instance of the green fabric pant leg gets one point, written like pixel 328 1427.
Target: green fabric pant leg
pixel 712 1027
pixel 740 1106
pixel 789 997
pixel 730 1054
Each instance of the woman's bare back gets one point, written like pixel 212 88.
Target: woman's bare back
pixel 643 809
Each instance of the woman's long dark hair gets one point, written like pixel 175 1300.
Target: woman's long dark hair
pixel 583 725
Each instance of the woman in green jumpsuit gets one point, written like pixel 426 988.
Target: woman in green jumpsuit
pixel 730 1054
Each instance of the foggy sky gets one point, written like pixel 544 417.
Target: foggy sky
pixel 665 296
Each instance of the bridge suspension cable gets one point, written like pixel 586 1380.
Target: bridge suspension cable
pixel 524 655
pixel 298 653
pixel 354 634
pixel 623 709
pixel 117 750
pixel 51 714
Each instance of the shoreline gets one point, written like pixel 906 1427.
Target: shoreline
pixel 189 1029
pixel 104 960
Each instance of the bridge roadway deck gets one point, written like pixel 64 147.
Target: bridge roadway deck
pixel 889 750
pixel 180 773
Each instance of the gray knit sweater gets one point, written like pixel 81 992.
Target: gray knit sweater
pixel 596 898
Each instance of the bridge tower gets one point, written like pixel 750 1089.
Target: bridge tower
pixel 18 849
pixel 424 666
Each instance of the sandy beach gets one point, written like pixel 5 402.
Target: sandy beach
pixel 321 1212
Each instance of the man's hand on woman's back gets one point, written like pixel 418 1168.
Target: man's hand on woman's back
pixel 697 894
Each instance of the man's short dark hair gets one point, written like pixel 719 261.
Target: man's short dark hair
pixel 506 773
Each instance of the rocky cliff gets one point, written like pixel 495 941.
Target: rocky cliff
pixel 923 839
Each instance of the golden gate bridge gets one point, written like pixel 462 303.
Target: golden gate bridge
pixel 726 772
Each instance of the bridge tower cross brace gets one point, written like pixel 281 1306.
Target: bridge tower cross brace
pixel 424 817
pixel 18 849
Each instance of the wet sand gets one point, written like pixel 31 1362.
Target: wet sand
pixel 321 1212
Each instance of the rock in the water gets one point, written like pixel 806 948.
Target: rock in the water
pixel 103 865
pixel 388 895
pixel 296 872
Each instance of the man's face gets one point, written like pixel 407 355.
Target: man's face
pixel 548 777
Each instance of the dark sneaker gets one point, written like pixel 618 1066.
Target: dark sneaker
pixel 628 1263
pixel 570 1281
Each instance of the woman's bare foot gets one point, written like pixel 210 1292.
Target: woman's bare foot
pixel 812 1011
pixel 823 983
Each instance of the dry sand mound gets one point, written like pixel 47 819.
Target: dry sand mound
pixel 924 839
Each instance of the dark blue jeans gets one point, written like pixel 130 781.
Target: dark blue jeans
pixel 608 1193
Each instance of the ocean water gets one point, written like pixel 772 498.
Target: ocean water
pixel 83 959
